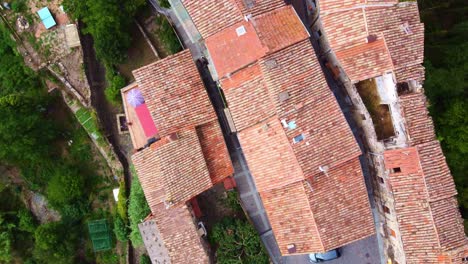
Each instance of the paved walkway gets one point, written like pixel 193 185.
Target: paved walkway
pixel 364 251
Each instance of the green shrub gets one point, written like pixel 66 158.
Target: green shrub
pixel 236 241
pixel 65 186
pixel 120 229
pixel 18 6
pixel 145 259
pixel 27 222
pixel 138 209
pixel 112 91
pixel 122 202
pixel 167 35
pixel 232 201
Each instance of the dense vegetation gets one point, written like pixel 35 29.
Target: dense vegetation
pixel 39 137
pixel 234 239
pixel 446 83
pixel 138 210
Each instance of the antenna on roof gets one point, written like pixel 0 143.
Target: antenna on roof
pixel 324 169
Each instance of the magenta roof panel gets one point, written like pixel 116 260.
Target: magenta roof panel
pixel 146 120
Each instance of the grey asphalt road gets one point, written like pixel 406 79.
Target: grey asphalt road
pixel 364 251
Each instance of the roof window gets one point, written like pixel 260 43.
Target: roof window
pixel 298 138
pixel 240 31
pixel 406 28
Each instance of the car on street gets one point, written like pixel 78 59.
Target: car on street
pixel 321 257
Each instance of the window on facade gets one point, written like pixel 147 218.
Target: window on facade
pixel 386 209
pixel 298 138
pixel 396 170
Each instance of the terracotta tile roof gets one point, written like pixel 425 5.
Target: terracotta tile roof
pixel 215 151
pixel 439 181
pixel 277 164
pixel 414 72
pixel 280 28
pixel 366 60
pixel 256 7
pixel 449 223
pixel 173 172
pixel 418 121
pixel 349 27
pixel 247 97
pixel 340 205
pixel 179 235
pixel 212 16
pixel 418 234
pixel 345 28
pixel 269 155
pixel 292 221
pixel 230 52
pixel 336 5
pixel 174 93
pixel 328 140
pixel 405 49
pixel 428 216
pixel 294 70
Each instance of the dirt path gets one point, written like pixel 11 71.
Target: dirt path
pixel 106 112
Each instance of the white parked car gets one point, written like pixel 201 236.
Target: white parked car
pixel 320 257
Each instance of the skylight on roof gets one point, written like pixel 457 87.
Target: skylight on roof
pixel 240 31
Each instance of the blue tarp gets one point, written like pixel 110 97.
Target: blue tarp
pixel 46 17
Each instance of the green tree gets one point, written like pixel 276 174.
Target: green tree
pixel 138 209
pixel 65 186
pixel 120 229
pixel 237 241
pixel 6 238
pixel 27 222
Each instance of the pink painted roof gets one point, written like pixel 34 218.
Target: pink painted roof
pixel 146 120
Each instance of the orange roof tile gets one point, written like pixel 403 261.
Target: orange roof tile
pixel 291 219
pixel 210 16
pixel 247 97
pixel 269 155
pixel 366 60
pixel 414 217
pixel 418 121
pixel 174 93
pixel 280 28
pixel 336 5
pixel 436 172
pixel 414 72
pixel 231 51
pixel 275 162
pixel 173 172
pixel 295 71
pixel 428 216
pixel 345 28
pixel 215 151
pixel 256 7
pixel 340 205
pixel 328 140
pixel 406 49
